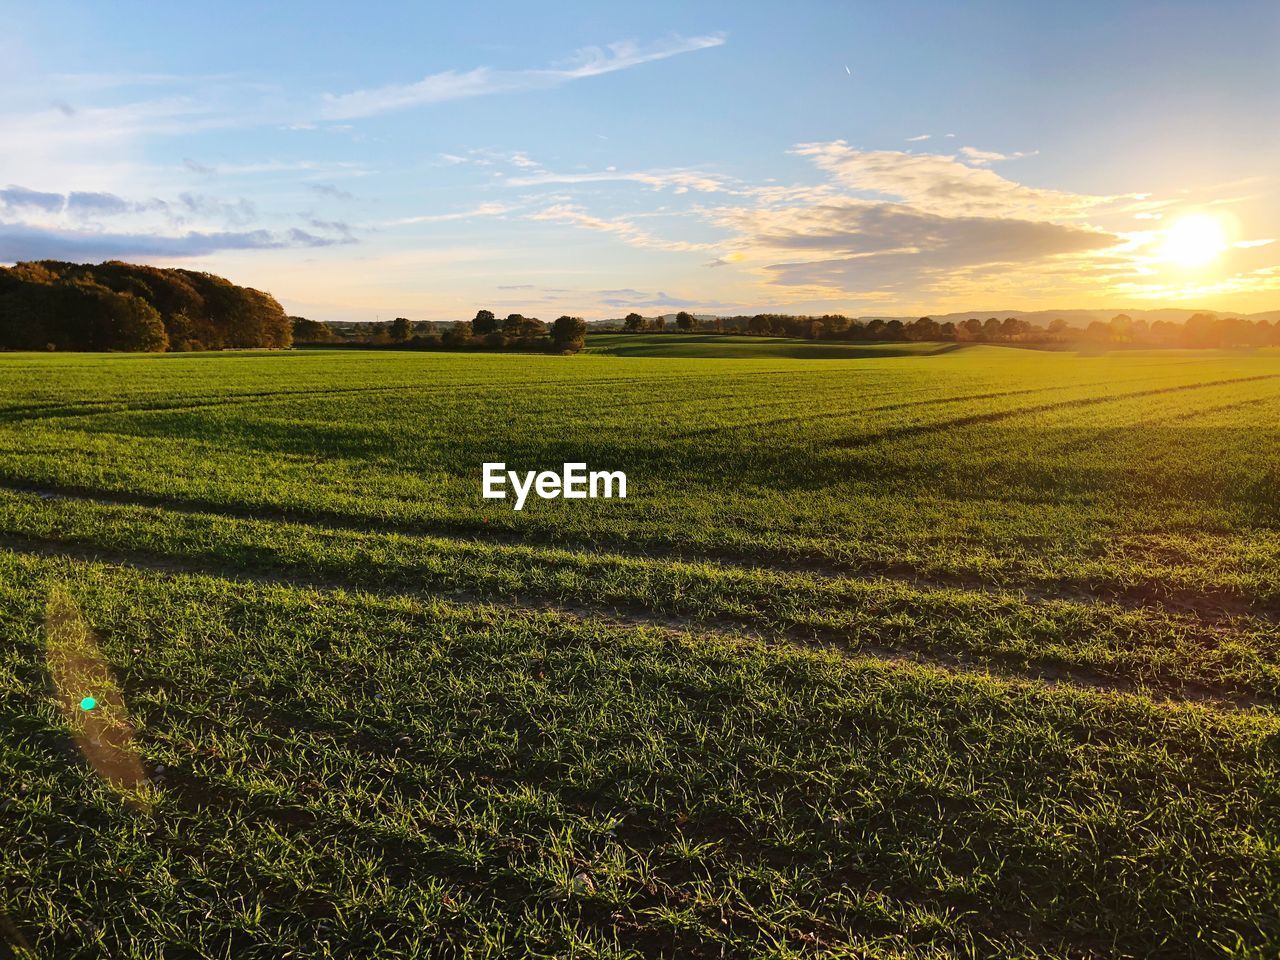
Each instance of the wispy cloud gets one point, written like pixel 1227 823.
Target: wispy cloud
pixel 679 181
pixel 982 157
pixel 619 227
pixel 28 242
pixel 329 190
pixel 484 81
pixel 923 136
pixel 76 203
pixel 482 210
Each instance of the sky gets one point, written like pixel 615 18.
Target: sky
pixel 366 161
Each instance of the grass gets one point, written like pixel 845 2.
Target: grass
pixel 971 653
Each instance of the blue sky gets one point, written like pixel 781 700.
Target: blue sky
pixel 425 160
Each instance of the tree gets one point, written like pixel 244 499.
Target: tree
pixel 659 323
pixel 925 328
pixel 458 335
pixel 401 329
pixel 633 323
pixel 311 331
pixel 568 334
pixel 117 306
pixel 484 324
pixel 685 321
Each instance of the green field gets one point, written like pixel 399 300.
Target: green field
pixel 909 652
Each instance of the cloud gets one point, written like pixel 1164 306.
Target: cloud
pixel 329 190
pixel 19 198
pixel 892 246
pixel 77 203
pixel 629 299
pixel 240 212
pixel 974 155
pixel 484 81
pixel 482 210
pixel 623 229
pixel 983 157
pixel 26 242
pixel 942 184
pixel 680 181
pixel 923 136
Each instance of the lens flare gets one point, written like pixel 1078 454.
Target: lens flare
pixel 99 720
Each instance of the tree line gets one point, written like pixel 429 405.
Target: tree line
pixel 486 331
pixel 1200 330
pixel 52 305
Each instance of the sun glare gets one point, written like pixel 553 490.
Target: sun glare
pixel 1194 241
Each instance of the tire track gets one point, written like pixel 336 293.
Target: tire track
pixel 998 664
pixel 993 416
pixel 1147 597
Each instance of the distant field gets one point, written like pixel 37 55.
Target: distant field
pixel 726 347
pixel 970 652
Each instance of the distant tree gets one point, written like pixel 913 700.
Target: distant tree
pixel 924 328
pixel 1098 331
pixel 633 323
pixel 311 331
pixel 1058 327
pixel 685 321
pixel 116 306
pixel 568 334
pixel 401 329
pixel 484 324
pixel 659 323
pixel 991 330
pixel 972 328
pixel 459 335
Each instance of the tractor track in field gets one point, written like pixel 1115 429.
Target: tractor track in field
pixel 929 401
pixel 910 431
pixel 99 408
pixel 1003 666
pixel 1211 611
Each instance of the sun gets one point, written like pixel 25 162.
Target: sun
pixel 1194 241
